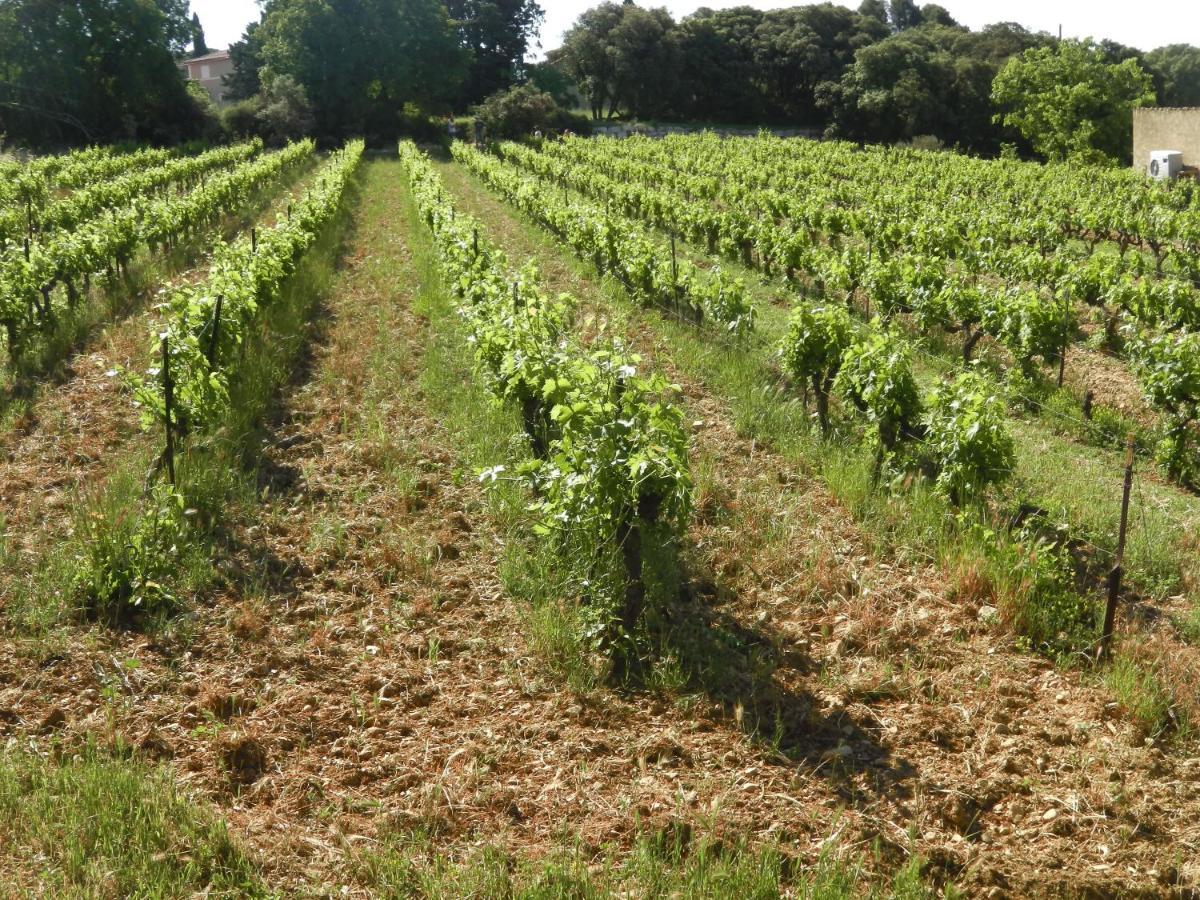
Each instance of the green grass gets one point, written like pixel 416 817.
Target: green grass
pixel 91 825
pixel 487 435
pixel 669 864
pixel 910 524
pixel 138 557
pixel 1145 699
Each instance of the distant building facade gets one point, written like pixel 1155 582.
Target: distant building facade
pixel 1166 128
pixel 209 70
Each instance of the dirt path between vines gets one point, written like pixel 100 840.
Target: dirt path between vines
pixel 913 723
pixel 66 441
pixel 376 678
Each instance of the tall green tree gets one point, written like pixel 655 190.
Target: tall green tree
pixel 1176 69
pixel 645 51
pixel 199 44
pixel 800 49
pixel 587 54
pixel 92 71
pixel 177 24
pixel 246 56
pixel 930 80
pixel 1070 101
pixel 499 34
pixel 903 14
pixel 360 62
pixel 719 77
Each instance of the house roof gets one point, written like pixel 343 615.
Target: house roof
pixel 208 57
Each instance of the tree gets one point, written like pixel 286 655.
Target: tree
pixel 903 14
pixel 586 57
pixel 199 45
pixel 719 77
pixel 931 80
pixel 932 14
pixel 622 56
pixel 177 24
pixel 520 111
pixel 1068 101
pixel 558 84
pixel 645 60
pixel 498 33
pixel 246 57
pixel 284 113
pixel 1176 68
pixel 361 61
pixel 800 49
pixel 874 9
pixel 93 71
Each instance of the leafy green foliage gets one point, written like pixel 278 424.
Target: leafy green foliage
pixel 1071 102
pixel 1169 366
pixel 520 111
pixel 359 63
pixel 99 228
pixel 610 468
pixel 617 246
pixel 81 73
pixel 968 437
pixel 130 560
pixel 243 276
pixel 812 352
pixel 876 379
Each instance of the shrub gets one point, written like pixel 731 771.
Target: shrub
pixel 968 437
pixel 520 111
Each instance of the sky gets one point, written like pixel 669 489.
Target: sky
pixel 1130 23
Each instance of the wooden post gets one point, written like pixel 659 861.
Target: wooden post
pixel 1062 357
pixel 289 212
pixel 215 336
pixel 1114 576
pixel 475 241
pixel 516 298
pixel 1089 400
pixel 674 275
pixel 168 409
pixel 253 245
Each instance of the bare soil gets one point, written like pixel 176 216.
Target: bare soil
pixel 376 677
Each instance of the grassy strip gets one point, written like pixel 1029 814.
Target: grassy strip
pixel 116 297
pixel 130 544
pixel 98 826
pixel 410 865
pixel 1082 489
pixel 662 865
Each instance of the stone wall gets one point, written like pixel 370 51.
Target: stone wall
pixel 1163 128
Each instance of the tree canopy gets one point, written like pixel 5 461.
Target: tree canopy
pixel 1071 101
pixel 361 61
pixel 499 34
pixel 94 71
pixel 1176 69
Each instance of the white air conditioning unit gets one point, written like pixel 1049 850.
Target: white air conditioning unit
pixel 1165 164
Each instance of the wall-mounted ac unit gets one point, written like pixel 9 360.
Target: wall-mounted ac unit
pixel 1165 164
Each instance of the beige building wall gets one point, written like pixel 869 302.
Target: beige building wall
pixel 209 70
pixel 1165 128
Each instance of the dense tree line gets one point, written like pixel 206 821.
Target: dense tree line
pixel 101 71
pixel 94 71
pixel 105 70
pixel 885 71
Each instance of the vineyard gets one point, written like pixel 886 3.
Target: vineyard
pixel 588 517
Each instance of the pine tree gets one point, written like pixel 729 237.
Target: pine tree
pixel 199 47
